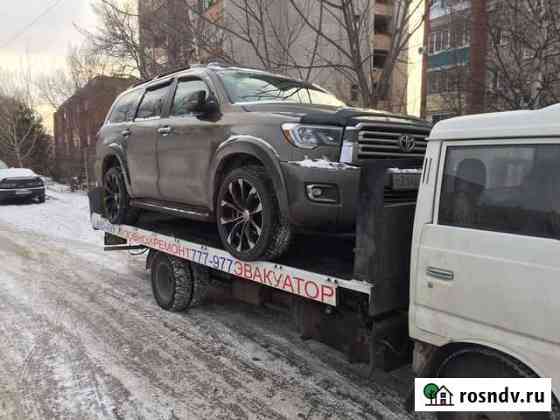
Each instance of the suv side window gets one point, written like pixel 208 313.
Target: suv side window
pixel 185 96
pixel 124 109
pixel 153 103
pixel 502 188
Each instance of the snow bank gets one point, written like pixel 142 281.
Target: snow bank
pixel 63 215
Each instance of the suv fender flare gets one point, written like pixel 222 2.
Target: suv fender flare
pixel 116 151
pixel 258 149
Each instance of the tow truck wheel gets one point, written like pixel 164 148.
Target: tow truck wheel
pixel 177 284
pixel 483 363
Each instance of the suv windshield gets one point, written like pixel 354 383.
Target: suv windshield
pixel 253 87
pixel 3 165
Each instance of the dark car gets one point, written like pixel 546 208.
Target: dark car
pixel 258 153
pixel 21 185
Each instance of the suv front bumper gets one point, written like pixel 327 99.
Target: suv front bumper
pixel 335 209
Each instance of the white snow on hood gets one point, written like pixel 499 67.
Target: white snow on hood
pixel 16 173
pixel 322 164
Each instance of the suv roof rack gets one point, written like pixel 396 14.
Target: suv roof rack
pixel 165 73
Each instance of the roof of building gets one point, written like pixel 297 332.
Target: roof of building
pixel 511 124
pixel 94 84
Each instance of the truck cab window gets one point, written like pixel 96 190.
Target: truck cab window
pixel 186 96
pixel 152 103
pixel 511 189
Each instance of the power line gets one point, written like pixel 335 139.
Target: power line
pixel 32 23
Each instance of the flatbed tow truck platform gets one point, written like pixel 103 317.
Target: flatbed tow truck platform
pixel 350 292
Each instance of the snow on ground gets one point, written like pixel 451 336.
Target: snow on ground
pixel 82 338
pixel 62 216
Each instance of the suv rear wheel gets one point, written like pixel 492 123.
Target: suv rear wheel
pixel 250 223
pixel 116 199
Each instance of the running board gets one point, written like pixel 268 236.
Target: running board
pixel 173 209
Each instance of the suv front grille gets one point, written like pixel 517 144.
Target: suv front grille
pixel 379 142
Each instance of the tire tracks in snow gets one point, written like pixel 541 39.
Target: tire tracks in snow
pixel 129 359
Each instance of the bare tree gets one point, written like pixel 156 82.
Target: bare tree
pixel 315 40
pixel 21 129
pixel 54 88
pixel 524 54
pixel 82 66
pixel 349 29
pixel 117 36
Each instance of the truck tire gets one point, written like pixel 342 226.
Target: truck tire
pixel 116 202
pixel 478 362
pixel 250 223
pixel 177 284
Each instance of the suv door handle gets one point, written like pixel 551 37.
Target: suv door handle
pixel 165 130
pixel 440 273
pixel 126 132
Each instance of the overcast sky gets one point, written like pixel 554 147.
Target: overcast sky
pixel 46 42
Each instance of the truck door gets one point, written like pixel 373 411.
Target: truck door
pixel 488 266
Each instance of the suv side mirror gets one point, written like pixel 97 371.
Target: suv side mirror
pixel 211 106
pixel 196 101
pixel 203 103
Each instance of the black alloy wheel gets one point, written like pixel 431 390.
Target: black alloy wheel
pixel 112 197
pixel 116 199
pixel 249 220
pixel 242 215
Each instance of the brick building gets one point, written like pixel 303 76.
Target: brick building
pixel 76 123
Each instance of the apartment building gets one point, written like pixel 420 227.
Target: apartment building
pixel 281 42
pixel 448 63
pixel 491 55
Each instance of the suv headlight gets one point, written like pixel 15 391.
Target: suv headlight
pixel 312 136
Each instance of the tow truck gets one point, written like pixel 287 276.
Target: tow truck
pixel 453 267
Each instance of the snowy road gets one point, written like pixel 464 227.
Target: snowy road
pixel 82 338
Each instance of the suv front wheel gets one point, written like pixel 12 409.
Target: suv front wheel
pixel 250 223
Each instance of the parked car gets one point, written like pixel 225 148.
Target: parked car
pixel 21 184
pixel 258 153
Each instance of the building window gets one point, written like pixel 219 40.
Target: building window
pixel 439 41
pixel 379 59
pixel 500 188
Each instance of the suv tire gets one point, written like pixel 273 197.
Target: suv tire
pixel 116 202
pixel 250 222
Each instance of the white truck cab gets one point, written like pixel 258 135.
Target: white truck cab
pixel 485 263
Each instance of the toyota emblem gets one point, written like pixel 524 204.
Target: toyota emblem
pixel 407 143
